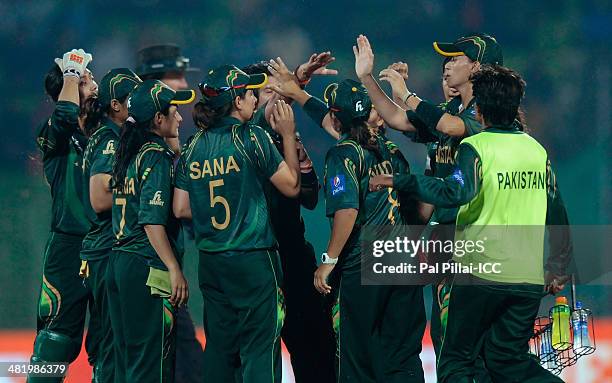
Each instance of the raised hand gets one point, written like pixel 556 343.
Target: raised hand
pixel 364 57
pixel 401 68
pixel 316 65
pixel 398 84
pixel 282 120
pixel 286 84
pixel 74 62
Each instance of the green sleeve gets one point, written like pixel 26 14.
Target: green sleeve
pixel 558 227
pixel 54 136
pixel 472 126
pixel 182 176
pixel 316 110
pixel 155 183
pixel 422 134
pixel 264 153
pixel 341 182
pixel 457 189
pixel 103 156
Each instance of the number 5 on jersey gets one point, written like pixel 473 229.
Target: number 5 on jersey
pixel 215 199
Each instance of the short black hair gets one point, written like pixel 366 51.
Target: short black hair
pixel 54 81
pixel 257 68
pixel 498 92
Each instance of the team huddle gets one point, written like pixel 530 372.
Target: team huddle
pixel 126 195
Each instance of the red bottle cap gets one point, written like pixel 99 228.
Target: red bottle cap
pixel 561 300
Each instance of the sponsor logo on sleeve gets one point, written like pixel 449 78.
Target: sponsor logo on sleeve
pixel 458 176
pixel 157 200
pixel 337 184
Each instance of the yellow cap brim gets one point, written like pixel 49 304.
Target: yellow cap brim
pixel 257 81
pixel 442 48
pixel 182 97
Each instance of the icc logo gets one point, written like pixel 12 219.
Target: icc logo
pixel 358 107
pixel 336 181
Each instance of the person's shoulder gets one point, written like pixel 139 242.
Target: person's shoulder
pixel 256 133
pixel 152 151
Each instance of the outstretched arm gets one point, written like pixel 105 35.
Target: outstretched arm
pixel 393 115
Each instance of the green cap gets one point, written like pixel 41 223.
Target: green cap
pixel 223 84
pixel 152 96
pixel 116 84
pixel 478 47
pixel 348 100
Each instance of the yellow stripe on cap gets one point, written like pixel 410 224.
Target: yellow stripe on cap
pixel 183 102
pixel 447 54
pixel 260 85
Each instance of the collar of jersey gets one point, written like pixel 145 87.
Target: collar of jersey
pixel 160 141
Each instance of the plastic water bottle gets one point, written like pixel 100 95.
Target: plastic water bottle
pixel 580 325
pixel 547 355
pixel 561 324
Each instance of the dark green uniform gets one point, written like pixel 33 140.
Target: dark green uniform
pixel 63 298
pixel 224 169
pixel 502 307
pixel 379 328
pixel 441 150
pixel 98 242
pixel 143 322
pixel 307 331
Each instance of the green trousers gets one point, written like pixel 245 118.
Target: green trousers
pixel 62 306
pixel 96 281
pixel 142 324
pixel 379 331
pixel 496 322
pixel 243 316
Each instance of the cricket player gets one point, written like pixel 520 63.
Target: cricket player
pixel 63 298
pixel 307 331
pixel 166 63
pixel 379 328
pixel 108 113
pixel 502 178
pixel 220 186
pixel 145 280
pixel 442 126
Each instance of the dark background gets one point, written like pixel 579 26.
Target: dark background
pixel 561 48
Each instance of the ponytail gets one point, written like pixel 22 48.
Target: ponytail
pixel 358 131
pixel 131 139
pixel 204 115
pixel 133 135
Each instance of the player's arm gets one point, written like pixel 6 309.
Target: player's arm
pixel 286 175
pixel 100 194
pixel 101 168
pixel 559 238
pixel 393 115
pixel 455 190
pixel 288 87
pixel 180 200
pixel 159 240
pixel 156 185
pixel 342 204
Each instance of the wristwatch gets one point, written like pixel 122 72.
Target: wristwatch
pixel 327 260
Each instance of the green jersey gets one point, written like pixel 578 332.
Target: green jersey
pixel 98 159
pixel 145 198
pixel 445 146
pixel 348 168
pixel 224 170
pixel 61 143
